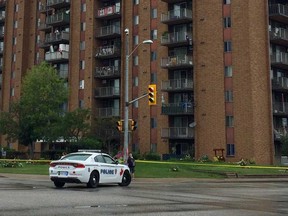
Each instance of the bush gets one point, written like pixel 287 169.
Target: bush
pixel 152 156
pixel 10 164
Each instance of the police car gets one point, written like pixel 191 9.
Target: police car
pixel 91 167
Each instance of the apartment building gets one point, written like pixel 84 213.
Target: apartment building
pixel 220 67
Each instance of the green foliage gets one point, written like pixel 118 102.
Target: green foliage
pixel 85 143
pixel 11 164
pixel 204 159
pixel 152 156
pixel 284 147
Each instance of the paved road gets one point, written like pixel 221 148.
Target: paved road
pixel 36 195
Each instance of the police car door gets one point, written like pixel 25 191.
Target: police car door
pixel 112 169
pixel 103 169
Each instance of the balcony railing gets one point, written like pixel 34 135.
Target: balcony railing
pixel 280 83
pixel 108 31
pixel 57 56
pixel 43 26
pixel 107 71
pixel 177 16
pixel 57 37
pixel 177 62
pixel 177 84
pixel 107 51
pixel 107 92
pixel 280 108
pixel 176 38
pixel 57 3
pixel 177 133
pixel 280 59
pixel 108 112
pixel 183 108
pixel 111 12
pixel 58 19
pixel 279 36
pixel 279 12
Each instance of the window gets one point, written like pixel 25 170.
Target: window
pixel 153 78
pixel 12 74
pixel 83 26
pixel 136 104
pixel 82 45
pixel 227 22
pixel 229 121
pixel 154 13
pixel 81 104
pixel 16 24
pixel 16 8
pixel 227 46
pixel 227 2
pixel 14 57
pixel 12 92
pixel 153 56
pixel 153 123
pixel 14 41
pixel 153 147
pixel 228 96
pixel 154 34
pixel 135 81
pixel 230 150
pixel 228 71
pixel 136 2
pixel 83 7
pixel 135 60
pixel 82 65
pixel 136 20
pixel 81 84
pixel 135 39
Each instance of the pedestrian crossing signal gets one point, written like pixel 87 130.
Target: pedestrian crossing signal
pixel 152 94
pixel 133 125
pixel 119 126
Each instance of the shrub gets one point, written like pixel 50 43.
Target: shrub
pixel 152 156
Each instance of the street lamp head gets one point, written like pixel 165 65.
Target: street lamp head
pixel 147 42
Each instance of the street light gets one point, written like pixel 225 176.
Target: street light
pixel 126 89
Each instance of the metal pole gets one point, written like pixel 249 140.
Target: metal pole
pixel 126 104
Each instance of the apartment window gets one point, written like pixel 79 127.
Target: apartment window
pixel 135 60
pixel 12 92
pixel 83 7
pixel 153 123
pixel 81 104
pixel 229 121
pixel 16 24
pixel 227 46
pixel 135 39
pixel 12 74
pixel 154 13
pixel 82 45
pixel 14 57
pixel 230 149
pixel 153 56
pixel 81 84
pixel 154 34
pixel 16 8
pixel 228 71
pixel 136 104
pixel 227 2
pixel 136 2
pixel 227 22
pixel 153 147
pixel 153 78
pixel 228 96
pixel 135 81
pixel 14 40
pixel 136 20
pixel 83 26
pixel 82 65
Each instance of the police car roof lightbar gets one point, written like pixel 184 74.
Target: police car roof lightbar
pixel 89 150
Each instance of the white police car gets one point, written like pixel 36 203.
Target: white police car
pixel 88 166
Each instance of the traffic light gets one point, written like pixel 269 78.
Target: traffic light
pixel 152 94
pixel 119 125
pixel 133 125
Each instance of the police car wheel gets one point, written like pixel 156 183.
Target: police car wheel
pixel 126 180
pixel 94 180
pixel 59 184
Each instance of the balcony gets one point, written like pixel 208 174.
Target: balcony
pixel 55 57
pixel 107 92
pixel 63 74
pixel 172 1
pixel 2 32
pixel 111 12
pixel 280 60
pixel 108 112
pixel 176 39
pixel 184 108
pixel 178 16
pixel 2 18
pixel 279 13
pixel 105 52
pixel 2 3
pixel 107 72
pixel 280 132
pixel 177 62
pixel 58 19
pixel 177 133
pixel 280 83
pixel 1 50
pixel 279 36
pixel 58 3
pixel 280 108
pixel 108 32
pixel 57 37
pixel 44 27
pixel 177 85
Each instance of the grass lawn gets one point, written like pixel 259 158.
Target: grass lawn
pixel 150 169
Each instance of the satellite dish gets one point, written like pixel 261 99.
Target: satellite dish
pixel 193 124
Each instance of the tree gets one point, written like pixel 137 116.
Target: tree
pixel 39 109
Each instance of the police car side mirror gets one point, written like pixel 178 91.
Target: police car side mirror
pixel 116 162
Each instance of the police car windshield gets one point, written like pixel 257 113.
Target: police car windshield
pixel 80 157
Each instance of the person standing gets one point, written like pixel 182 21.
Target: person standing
pixel 131 164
